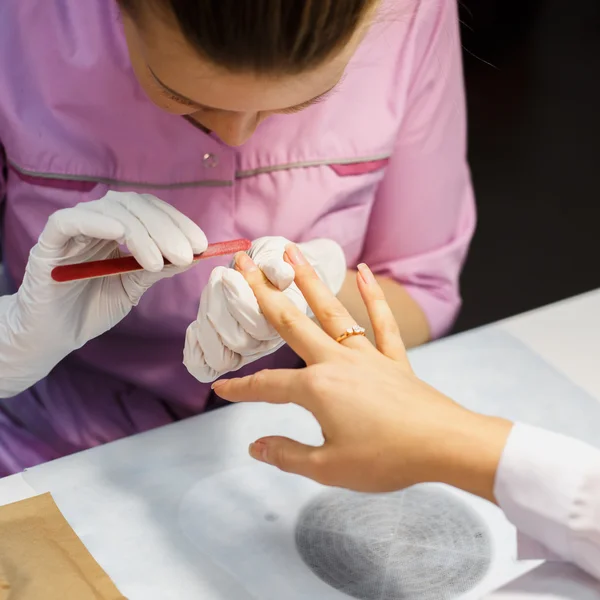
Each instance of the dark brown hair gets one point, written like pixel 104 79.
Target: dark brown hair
pixel 262 36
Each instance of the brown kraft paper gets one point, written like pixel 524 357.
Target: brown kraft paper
pixel 41 557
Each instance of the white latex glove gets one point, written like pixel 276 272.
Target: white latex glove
pixel 44 321
pixel 230 330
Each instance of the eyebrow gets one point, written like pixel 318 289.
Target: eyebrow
pixel 172 92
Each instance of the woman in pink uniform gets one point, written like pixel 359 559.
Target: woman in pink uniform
pixel 338 125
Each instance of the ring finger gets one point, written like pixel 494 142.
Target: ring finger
pixel 333 316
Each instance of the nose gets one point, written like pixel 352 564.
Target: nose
pixel 232 128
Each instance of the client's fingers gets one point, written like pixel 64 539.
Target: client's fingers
pixel 287 455
pixel 385 327
pixel 298 330
pixel 331 313
pixel 280 386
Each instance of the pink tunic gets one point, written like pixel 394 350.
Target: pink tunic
pixel 379 167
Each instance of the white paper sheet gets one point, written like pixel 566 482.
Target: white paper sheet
pixel 14 488
pixel 183 513
pixel 490 371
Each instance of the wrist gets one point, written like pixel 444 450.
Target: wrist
pixel 8 308
pixel 471 453
pixel 13 362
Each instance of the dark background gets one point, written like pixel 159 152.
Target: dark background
pixel 534 153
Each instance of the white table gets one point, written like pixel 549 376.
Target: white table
pixel 128 500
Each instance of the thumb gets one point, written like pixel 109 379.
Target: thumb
pixel 285 454
pixel 138 282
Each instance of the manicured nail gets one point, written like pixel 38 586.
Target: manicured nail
pixel 294 255
pixel 245 263
pixel 366 274
pixel 258 451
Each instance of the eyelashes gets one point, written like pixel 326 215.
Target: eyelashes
pixel 301 107
pixel 177 99
pixel 284 111
pixel 174 97
pixel 167 94
pixel 318 100
pixel 295 109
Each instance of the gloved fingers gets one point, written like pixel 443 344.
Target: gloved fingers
pixel 243 307
pixel 278 272
pixel 329 261
pixel 136 237
pixel 192 232
pixel 205 355
pixel 214 307
pixel 69 223
pixel 267 253
pixel 224 343
pixel 296 298
pixel 217 355
pixel 101 220
pixel 222 359
pixel 193 356
pixel 195 361
pixel 136 283
pixel 216 343
pixel 165 232
pixel 267 348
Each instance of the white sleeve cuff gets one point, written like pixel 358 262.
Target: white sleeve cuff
pixel 548 485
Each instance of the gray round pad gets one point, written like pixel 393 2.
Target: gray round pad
pixel 420 544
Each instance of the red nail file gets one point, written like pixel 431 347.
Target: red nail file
pixel 128 264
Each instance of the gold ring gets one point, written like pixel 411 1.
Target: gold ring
pixel 350 332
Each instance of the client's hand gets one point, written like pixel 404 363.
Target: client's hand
pixel 384 428
pixel 44 321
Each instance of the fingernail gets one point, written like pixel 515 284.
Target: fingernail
pixel 218 384
pixel 366 274
pixel 245 263
pixel 258 451
pixel 294 255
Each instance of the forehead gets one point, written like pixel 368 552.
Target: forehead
pixel 180 67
